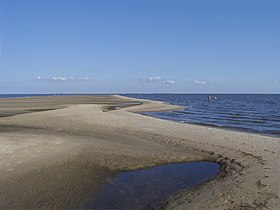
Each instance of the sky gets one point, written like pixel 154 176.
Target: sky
pixel 132 46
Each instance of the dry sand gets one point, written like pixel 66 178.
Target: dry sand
pixel 56 151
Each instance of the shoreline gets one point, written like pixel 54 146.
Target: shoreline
pixel 83 132
pixel 217 127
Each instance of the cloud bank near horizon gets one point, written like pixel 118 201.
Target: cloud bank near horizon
pixel 63 79
pixel 158 79
pixel 199 82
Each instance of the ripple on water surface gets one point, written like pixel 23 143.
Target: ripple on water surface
pixel 149 188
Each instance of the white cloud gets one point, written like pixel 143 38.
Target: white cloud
pixel 70 78
pixel 38 77
pixel 158 79
pixel 171 82
pixel 200 82
pixel 59 78
pixel 152 79
pixel 83 78
pixel 197 82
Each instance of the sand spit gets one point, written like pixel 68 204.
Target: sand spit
pixel 57 151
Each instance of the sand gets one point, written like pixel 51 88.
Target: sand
pixel 55 152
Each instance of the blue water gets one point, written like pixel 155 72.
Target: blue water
pixel 257 113
pixel 150 188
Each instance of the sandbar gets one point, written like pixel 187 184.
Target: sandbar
pixel 56 151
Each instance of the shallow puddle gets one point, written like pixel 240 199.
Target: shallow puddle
pixel 149 188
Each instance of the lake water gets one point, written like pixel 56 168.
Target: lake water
pixel 257 113
pixel 150 188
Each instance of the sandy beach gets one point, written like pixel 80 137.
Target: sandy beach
pixel 56 151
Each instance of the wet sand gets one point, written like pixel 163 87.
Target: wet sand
pixel 57 151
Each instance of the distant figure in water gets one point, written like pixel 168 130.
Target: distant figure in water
pixel 211 98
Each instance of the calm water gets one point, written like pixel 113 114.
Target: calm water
pixel 150 188
pixel 253 113
pixel 258 113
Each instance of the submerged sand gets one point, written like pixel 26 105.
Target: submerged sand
pixel 55 152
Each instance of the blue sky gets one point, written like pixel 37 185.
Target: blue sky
pixel 147 46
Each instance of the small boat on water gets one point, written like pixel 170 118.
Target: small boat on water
pixel 211 98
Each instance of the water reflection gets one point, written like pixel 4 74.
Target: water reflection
pixel 148 188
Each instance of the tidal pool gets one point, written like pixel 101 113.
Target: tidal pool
pixel 149 188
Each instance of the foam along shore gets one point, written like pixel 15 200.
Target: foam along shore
pixel 55 152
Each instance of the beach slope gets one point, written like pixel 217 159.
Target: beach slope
pixel 57 151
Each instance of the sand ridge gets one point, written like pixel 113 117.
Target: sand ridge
pixel 57 158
